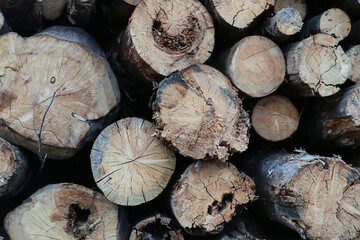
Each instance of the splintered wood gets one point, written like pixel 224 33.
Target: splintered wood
pixel 198 112
pixel 129 164
pixel 207 195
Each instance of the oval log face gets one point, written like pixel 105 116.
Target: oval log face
pixel 336 23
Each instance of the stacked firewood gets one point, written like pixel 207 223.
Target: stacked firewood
pixel 179 119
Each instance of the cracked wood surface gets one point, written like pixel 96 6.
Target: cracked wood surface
pixel 316 196
pixel 165 36
pixel 66 211
pixel 198 112
pixel 275 118
pixel 207 195
pixel 129 164
pixel 354 56
pixel 255 65
pixel 32 69
pixel 316 66
pixel 298 5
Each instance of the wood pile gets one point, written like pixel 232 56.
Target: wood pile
pixel 179 119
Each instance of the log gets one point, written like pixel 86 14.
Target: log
pixel 14 169
pixel 51 9
pixel 316 66
pixel 79 11
pixel 354 56
pixel 315 196
pixel 298 5
pixel 66 211
pixel 207 195
pixel 165 36
pixel 198 112
pixel 255 65
pixel 4 28
pixel 286 23
pixel 129 164
pixel 156 227
pixel 334 22
pixel 51 80
pixel 275 118
pixel 234 18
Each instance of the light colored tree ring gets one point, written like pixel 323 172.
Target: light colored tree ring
pixel 150 28
pixel 288 21
pixel 257 67
pixel 354 57
pixel 129 164
pixel 299 5
pixel 336 23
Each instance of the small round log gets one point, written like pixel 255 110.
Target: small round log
pixel 298 5
pixel 207 195
pixel 275 118
pixel 51 9
pixel 354 57
pixel 164 36
pixel 334 22
pixel 66 211
pixel 197 111
pixel 59 77
pixel 129 164
pixel 255 65
pixel 156 227
pixel 316 66
pixel 79 11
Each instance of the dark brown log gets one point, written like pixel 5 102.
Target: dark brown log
pixel 316 66
pixel 334 22
pixel 207 195
pixel 129 164
pixel 79 11
pixel 67 211
pixel 275 118
pixel 354 57
pixel 156 227
pixel 298 5
pixel 165 36
pixel 198 112
pixel 316 196
pixel 255 65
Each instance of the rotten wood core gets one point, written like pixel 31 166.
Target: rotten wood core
pixel 255 65
pixel 165 36
pixel 316 196
pixel 79 11
pixel 275 118
pixel 156 227
pixel 66 211
pixel 334 22
pixel 59 77
pixel 298 5
pixel 129 164
pixel 354 57
pixel 197 111
pixel 208 195
pixel 316 66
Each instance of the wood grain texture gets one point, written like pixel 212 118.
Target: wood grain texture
pixel 354 57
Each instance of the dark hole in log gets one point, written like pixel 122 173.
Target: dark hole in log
pixel 78 221
pixel 217 207
pixel 155 231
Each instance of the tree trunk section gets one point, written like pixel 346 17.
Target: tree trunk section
pixel 64 84
pixel 354 57
pixel 334 22
pixel 129 164
pixel 207 195
pixel 66 211
pixel 316 66
pixel 255 65
pixel 51 9
pixel 156 227
pixel 4 28
pixel 298 5
pixel 315 196
pixel 165 36
pixel 198 112
pixel 79 11
pixel 275 118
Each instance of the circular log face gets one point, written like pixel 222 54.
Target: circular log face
pixel 32 70
pixel 288 21
pixel 207 195
pixel 171 35
pixel 298 5
pixel 129 164
pixel 275 118
pixel 198 112
pixel 354 57
pixel 336 23
pixel 64 211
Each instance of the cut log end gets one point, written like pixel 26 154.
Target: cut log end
pixel 354 57
pixel 275 118
pixel 52 9
pixel 129 165
pixel 208 194
pixel 198 112
pixel 298 5
pixel 336 23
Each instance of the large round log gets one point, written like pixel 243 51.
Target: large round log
pixel 298 5
pixel 59 77
pixel 67 211
pixel 354 58
pixel 164 36
pixel 208 194
pixel 129 164
pixel 198 112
